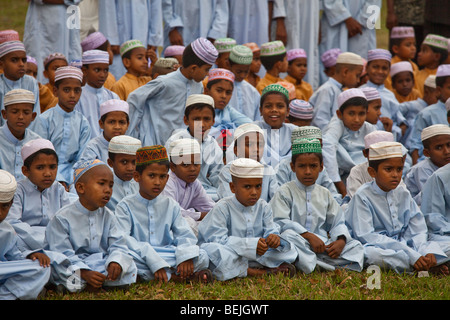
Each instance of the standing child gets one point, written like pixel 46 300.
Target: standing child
pixel 311 217
pixel 162 244
pixel 122 159
pixel 151 101
pixel 18 113
pixel 67 129
pixel 274 60
pixel 95 70
pixel 253 77
pixel 386 219
pixel 239 233
pixel 297 68
pixel 19 278
pixel 134 59
pixel 87 233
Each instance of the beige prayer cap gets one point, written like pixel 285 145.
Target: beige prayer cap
pixel 124 144
pixel 350 58
pixel 8 186
pixel 430 81
pixel 385 150
pixel 434 130
pixel 246 168
pixel 16 96
pixel 199 98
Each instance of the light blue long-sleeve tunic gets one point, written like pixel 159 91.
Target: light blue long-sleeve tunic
pixel 194 19
pixel 89 105
pixel 32 210
pixel 91 240
pixel 158 235
pixel 121 189
pixel 324 102
pixel 391 228
pixel 301 209
pixel 10 150
pixel 20 278
pixel 335 32
pixel 417 176
pixel 69 133
pixel 342 147
pixel 230 233
pixel 51 28
pixel 245 99
pixel 26 82
pixel 157 108
pixel 409 110
pixel 96 148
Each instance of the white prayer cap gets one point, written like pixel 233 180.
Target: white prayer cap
pixel 401 66
pixel 385 150
pixel 434 130
pixel 398 32
pixel 371 93
pixel 246 168
pixel 8 186
pixel 349 94
pixel 114 105
pixel 124 144
pixel 199 98
pixel 350 58
pixel 247 128
pixel 16 96
pixel 34 146
pixel 68 72
pixel 430 81
pixel 377 136
pixel 443 70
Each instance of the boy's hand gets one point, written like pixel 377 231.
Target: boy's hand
pixel 93 278
pixel 317 245
pixel 44 260
pixel 262 247
pixel 114 270
pixel 161 275
pixel 431 260
pixel 335 248
pixel 186 269
pixel 424 263
pixel 273 241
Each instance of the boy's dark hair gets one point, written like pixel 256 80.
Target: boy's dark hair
pixel 48 63
pixel 264 96
pixel 198 106
pixel 29 161
pixel 442 52
pixel 141 167
pixel 375 163
pixel 356 101
pixel 395 42
pixel 58 83
pixel 213 82
pixel 190 58
pixel 441 80
pixel 269 61
pixel 104 46
pixel 319 156
pixel 103 118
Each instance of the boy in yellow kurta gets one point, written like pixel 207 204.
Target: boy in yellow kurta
pixel 297 68
pixel 273 58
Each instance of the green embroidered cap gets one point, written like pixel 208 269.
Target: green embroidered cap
pixel 130 45
pixel 272 48
pixel 275 88
pixel 241 55
pixel 300 146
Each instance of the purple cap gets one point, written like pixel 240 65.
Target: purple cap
pixel 295 53
pixel 371 93
pixel 34 146
pixel 11 46
pixel 402 32
pixel 174 50
pixel 68 72
pixel 205 50
pixel 443 70
pixel 32 60
pixel 114 105
pixel 95 56
pixel 379 54
pixel 348 94
pixel 301 109
pixel 93 41
pixel 9 35
pixel 329 57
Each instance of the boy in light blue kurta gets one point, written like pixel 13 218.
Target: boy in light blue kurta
pixel 20 278
pixel 239 233
pixel 311 217
pixel 161 241
pixel 386 219
pixel 87 233
pixel 149 120
pixel 67 129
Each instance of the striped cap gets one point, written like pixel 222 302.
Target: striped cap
pixel 11 46
pixel 371 93
pixel 95 56
pixel 301 109
pixel 68 72
pixel 385 150
pixel 205 50
pixel 379 54
pixel 16 96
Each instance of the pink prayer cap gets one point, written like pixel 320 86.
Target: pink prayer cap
pixel 301 109
pixel 443 70
pixel 329 57
pixel 9 35
pixel 371 93
pixel 348 94
pixel 253 46
pixel 175 50
pixel 290 88
pixel 401 66
pixel 295 53
pixel 11 46
pixel 68 72
pixel 219 73
pixel 95 56
pixel 114 105
pixel 34 146
pixel 32 60
pixel 93 41
pixel 205 50
pixel 379 54
pixel 402 32
pixel 377 136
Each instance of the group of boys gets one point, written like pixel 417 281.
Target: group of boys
pixel 187 171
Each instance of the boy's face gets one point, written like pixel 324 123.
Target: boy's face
pixel 250 146
pixel 389 173
pixel 14 65
pixel 4 209
pixel 274 110
pixel 18 117
pixel 199 73
pixel 68 93
pixel 438 150
pixel 49 73
pixel 378 71
pixel 96 74
pixel 152 180
pixel 116 124
pixel 298 68
pixel 31 69
pixel 42 172
pixel 353 117
pixel 137 64
pixel 307 167
pixel 406 49
pixel 427 57
pixel 199 122
pixel 403 83
pixel 444 91
pixel 256 62
pixel 330 71
pixel 247 191
pixel 95 187
pixel 351 76
pixel 123 166
pixel 373 111
pixel 430 95
pixel 221 92
pixel 240 71
pixel 187 171
pixel 283 67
